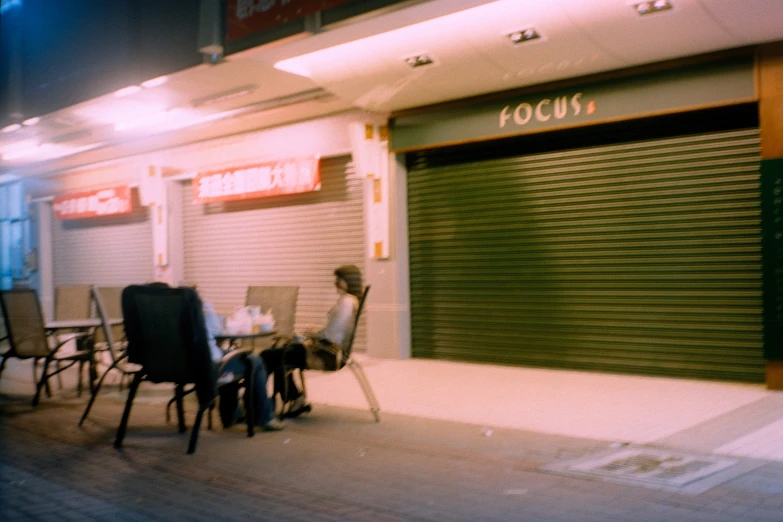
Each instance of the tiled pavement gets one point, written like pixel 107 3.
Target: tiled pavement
pixel 337 464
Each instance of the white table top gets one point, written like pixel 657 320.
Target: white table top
pixel 227 336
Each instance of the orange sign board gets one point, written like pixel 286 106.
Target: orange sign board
pixel 274 178
pixel 93 203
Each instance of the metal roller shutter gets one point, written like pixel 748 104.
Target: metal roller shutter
pixel 285 240
pixel 640 257
pixel 111 251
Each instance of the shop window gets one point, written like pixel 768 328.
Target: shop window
pixel 14 235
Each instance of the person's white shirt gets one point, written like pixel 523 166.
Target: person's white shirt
pixel 339 320
pixel 212 321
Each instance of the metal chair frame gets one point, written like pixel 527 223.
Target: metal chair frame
pixel 344 358
pixel 190 349
pixel 115 348
pixel 31 341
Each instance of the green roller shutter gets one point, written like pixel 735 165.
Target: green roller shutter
pixel 640 257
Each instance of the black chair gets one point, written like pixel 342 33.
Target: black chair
pixel 27 338
pixel 167 338
pixel 344 359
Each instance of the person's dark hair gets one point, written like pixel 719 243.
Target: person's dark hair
pixel 353 277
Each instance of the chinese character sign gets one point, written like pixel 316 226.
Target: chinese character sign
pixel 246 17
pixel 94 203
pixel 290 176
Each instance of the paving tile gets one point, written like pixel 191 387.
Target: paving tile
pixel 332 465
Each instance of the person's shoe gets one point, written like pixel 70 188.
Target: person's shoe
pixel 273 425
pixel 298 407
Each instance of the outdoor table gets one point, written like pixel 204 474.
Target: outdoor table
pixel 77 324
pixel 234 338
pixel 82 325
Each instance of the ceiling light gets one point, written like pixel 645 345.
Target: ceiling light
pixel 293 66
pixel 225 95
pixel 31 121
pixel 140 121
pixel 419 60
pixel 11 128
pixel 21 150
pixel 155 82
pixel 286 101
pixel 525 35
pixel 654 6
pixel 113 111
pixel 127 91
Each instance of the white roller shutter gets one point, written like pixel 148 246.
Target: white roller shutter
pixel 285 240
pixel 111 251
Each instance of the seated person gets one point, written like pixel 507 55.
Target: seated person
pixel 317 348
pixel 230 413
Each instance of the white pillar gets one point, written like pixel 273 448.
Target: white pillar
pixel 45 258
pixel 388 308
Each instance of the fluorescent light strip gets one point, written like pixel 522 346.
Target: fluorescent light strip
pixel 127 91
pixel 223 96
pixel 155 82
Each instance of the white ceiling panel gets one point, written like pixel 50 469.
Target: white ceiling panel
pixel 615 26
pixel 455 59
pixel 750 21
pixel 561 51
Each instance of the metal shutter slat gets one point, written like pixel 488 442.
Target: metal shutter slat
pixel 638 257
pixel 113 251
pixel 284 240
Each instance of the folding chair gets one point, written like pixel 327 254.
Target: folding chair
pixel 70 302
pixel 111 300
pixel 115 348
pixel 27 338
pixel 167 338
pixel 281 300
pixel 343 358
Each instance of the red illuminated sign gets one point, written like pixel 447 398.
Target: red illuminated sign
pixel 93 203
pixel 290 176
pixel 246 17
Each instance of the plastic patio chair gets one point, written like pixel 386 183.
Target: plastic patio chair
pixel 344 359
pixel 281 300
pixel 167 338
pixel 28 339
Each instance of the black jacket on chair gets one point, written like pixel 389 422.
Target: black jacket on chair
pixel 167 337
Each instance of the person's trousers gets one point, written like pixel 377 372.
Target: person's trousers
pixel 278 360
pixel 263 408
